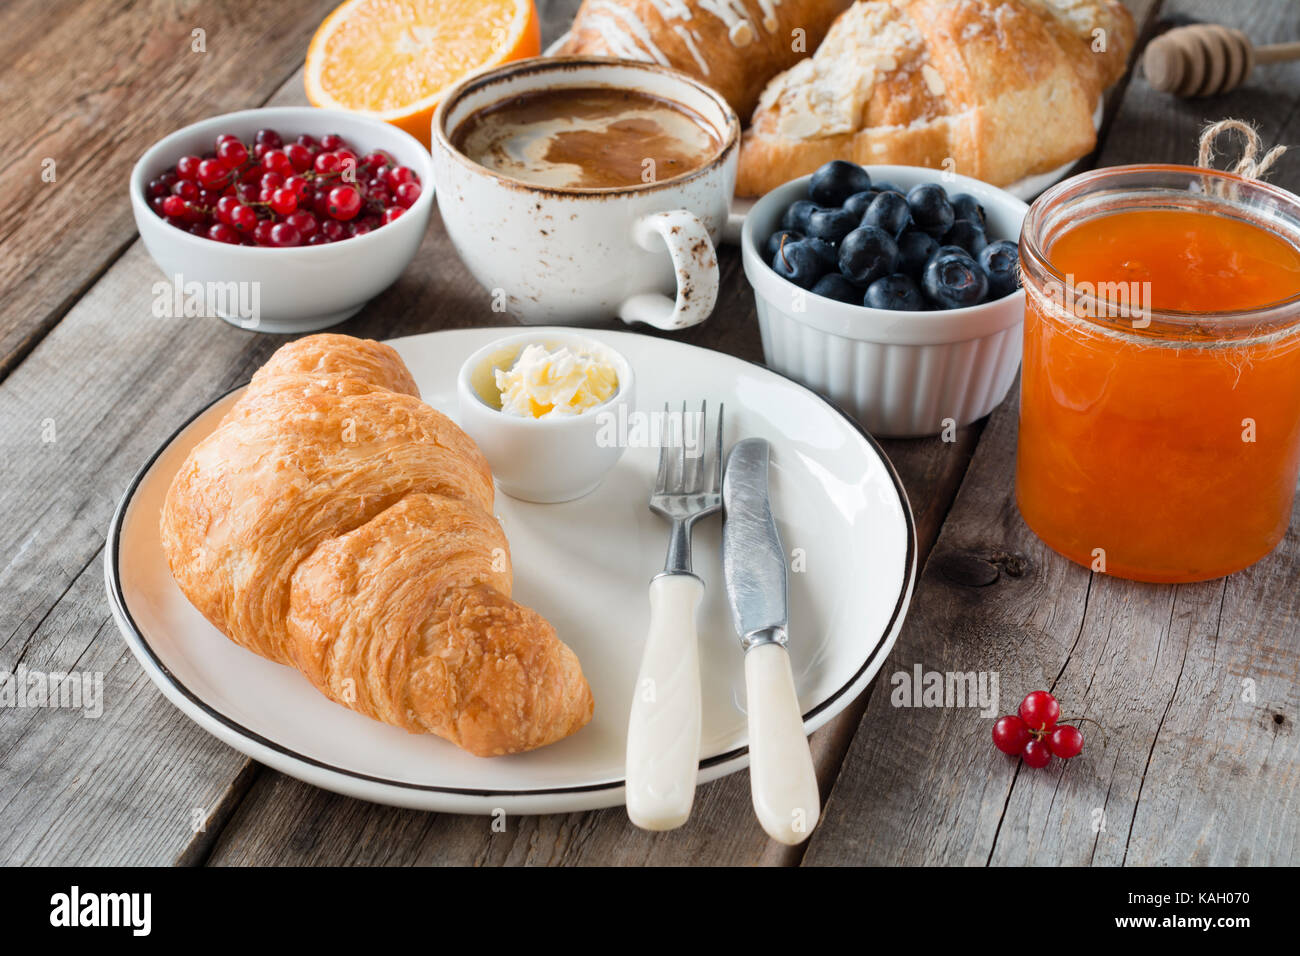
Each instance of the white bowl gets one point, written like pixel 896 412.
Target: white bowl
pixel 545 460
pixel 902 374
pixel 298 289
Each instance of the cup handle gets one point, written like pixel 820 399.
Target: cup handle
pixel 695 262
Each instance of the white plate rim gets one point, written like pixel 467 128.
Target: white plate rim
pixel 464 799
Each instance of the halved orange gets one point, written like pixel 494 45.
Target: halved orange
pixel 395 59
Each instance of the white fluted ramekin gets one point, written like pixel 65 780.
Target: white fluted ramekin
pixel 902 374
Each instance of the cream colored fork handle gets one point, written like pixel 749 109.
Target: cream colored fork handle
pixel 781 777
pixel 663 734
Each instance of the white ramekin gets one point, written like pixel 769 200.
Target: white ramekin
pixel 902 374
pixel 300 288
pixel 546 460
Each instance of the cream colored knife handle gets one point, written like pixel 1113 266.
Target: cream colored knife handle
pixel 663 734
pixel 781 776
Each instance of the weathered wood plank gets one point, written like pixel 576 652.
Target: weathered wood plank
pixel 89 86
pixel 1191 771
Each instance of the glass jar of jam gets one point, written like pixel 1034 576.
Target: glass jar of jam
pixel 1160 393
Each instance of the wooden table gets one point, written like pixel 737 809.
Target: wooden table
pixel 1197 684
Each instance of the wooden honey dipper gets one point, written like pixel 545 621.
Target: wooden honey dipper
pixel 1205 59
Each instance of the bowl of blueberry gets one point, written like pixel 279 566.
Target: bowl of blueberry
pixel 894 290
pixel 284 219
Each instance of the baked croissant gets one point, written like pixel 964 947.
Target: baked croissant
pixel 336 523
pixel 735 46
pixel 999 89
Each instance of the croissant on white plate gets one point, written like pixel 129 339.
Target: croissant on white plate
pixel 336 523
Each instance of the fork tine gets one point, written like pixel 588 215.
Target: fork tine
pixel 717 456
pixel 680 485
pixel 693 479
pixel 661 478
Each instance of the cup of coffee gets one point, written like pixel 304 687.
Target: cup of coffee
pixel 577 189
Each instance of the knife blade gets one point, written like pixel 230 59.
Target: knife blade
pixel 753 560
pixel 782 780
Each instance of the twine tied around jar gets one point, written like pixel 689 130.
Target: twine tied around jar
pixel 1247 167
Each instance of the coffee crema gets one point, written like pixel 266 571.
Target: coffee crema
pixel 587 138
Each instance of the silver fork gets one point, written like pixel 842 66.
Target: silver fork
pixel 663 734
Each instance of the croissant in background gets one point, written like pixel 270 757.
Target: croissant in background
pixel 336 523
pixel 735 46
pixel 1002 89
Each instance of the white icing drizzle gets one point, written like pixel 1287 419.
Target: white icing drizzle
pixel 672 9
pixel 768 7
pixel 626 34
pixel 734 17
pixel 689 39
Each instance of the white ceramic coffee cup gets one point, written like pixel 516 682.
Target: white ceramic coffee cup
pixel 643 253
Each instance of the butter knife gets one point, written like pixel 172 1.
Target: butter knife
pixel 782 781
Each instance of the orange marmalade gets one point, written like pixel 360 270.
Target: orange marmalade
pixel 1160 393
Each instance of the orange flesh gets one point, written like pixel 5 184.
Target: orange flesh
pixel 1168 463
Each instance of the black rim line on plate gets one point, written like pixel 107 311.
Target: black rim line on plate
pixel 119 601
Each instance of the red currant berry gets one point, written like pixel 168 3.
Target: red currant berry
pixel 277 162
pixel 358 229
pixel 1065 741
pixel 284 201
pixel 299 186
pixel 156 203
pixel 283 234
pixel 325 163
pixel 187 189
pixel 331 142
pixel 225 206
pixel 344 202
pixel 347 158
pixel 244 218
pixel 319 239
pixel 174 207
pixel 187 167
pixel 1040 710
pixel 1036 754
pixel 407 194
pixel 306 139
pixel 401 174
pixel 212 173
pixel 269 137
pixel 304 222
pixel 271 181
pixel 262 233
pixel 247 192
pixel 232 153
pixel 223 233
pixel 333 230
pixel 392 213
pixel 299 156
pixel 1010 734
pixel 155 189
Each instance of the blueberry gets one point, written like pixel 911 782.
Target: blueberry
pixel 866 254
pixel 999 261
pixel 831 224
pixel 968 234
pixel 966 206
pixel 826 252
pixel 888 211
pixel 895 291
pixel 799 263
pixel 954 282
pixel 951 250
pixel 930 208
pixel 796 217
pixel 915 249
pixel 858 202
pixel 774 240
pixel 835 286
pixel 836 182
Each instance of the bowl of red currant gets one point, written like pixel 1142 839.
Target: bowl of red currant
pixel 285 219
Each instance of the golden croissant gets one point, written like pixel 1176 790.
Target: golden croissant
pixel 336 523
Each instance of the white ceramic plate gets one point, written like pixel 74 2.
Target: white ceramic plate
pixel 586 566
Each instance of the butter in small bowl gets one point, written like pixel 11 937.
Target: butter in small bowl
pixel 537 406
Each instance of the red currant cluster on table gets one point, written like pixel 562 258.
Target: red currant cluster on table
pixel 308 193
pixel 1035 734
